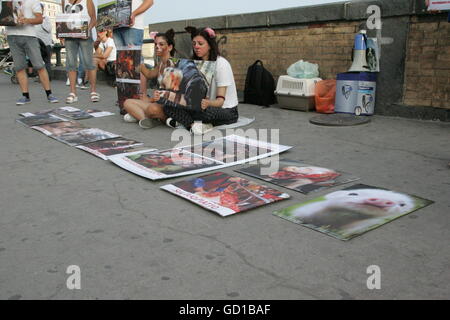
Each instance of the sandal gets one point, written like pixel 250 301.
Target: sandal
pixel 95 97
pixel 71 98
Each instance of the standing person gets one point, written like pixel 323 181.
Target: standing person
pixel 44 34
pixel 73 45
pixel 147 112
pixel 134 34
pixel 22 43
pixel 223 108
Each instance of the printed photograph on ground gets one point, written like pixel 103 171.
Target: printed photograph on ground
pixel 186 82
pixel 10 11
pixel 299 176
pixel 59 128
pixel 225 194
pixel 72 113
pixel 40 119
pixel 84 136
pixel 99 113
pixel 105 148
pixel 163 164
pixel 352 211
pixel 187 162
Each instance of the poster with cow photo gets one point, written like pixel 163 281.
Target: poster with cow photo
pixel 186 82
pixel 353 211
pixel 298 176
pixel 10 12
pixel 225 194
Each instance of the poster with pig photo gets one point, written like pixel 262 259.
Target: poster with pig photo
pixel 352 211
pixel 10 12
pixel 299 176
pixel 225 194
pixel 186 82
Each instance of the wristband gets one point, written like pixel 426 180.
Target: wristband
pixel 217 97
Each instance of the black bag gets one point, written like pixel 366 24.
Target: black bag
pixel 259 86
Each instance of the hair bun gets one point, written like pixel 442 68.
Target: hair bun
pixel 191 30
pixel 170 34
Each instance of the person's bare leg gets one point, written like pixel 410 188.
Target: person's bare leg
pixel 73 81
pixel 155 111
pixel 136 108
pixel 92 77
pixel 23 80
pixel 43 76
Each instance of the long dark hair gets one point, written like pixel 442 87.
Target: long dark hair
pixel 209 35
pixel 169 36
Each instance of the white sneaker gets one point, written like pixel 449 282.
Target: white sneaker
pixel 199 128
pixel 129 118
pixel 79 81
pixel 68 82
pixel 172 123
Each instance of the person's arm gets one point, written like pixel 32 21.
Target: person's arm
pixel 146 4
pixel 218 101
pixel 92 14
pixel 38 18
pixel 148 73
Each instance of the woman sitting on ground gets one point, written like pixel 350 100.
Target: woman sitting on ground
pixel 146 111
pixel 105 54
pixel 223 108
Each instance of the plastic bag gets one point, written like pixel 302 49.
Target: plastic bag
pixel 303 69
pixel 325 94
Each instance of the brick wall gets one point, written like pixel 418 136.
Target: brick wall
pixel 427 70
pixel 329 45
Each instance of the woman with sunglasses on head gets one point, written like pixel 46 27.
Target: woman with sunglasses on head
pixel 221 107
pixel 147 111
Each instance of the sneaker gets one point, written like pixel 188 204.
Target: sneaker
pixel 79 81
pixel 52 99
pixel 23 100
pixel 199 128
pixel 129 118
pixel 149 123
pixel 68 82
pixel 172 123
pixel 83 85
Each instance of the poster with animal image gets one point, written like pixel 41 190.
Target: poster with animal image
pixel 59 128
pixel 10 12
pixel 352 211
pixel 72 25
pixel 184 83
pixel 70 112
pixel 105 148
pixel 164 164
pixel 127 62
pixel 83 136
pixel 36 120
pixel 192 159
pixel 298 176
pixel 113 13
pixel 127 89
pixel 225 194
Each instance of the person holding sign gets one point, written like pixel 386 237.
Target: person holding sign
pixel 23 42
pixel 84 44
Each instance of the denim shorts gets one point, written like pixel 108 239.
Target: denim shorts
pixel 86 47
pixel 22 47
pixel 128 36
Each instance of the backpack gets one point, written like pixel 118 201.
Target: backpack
pixel 259 85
